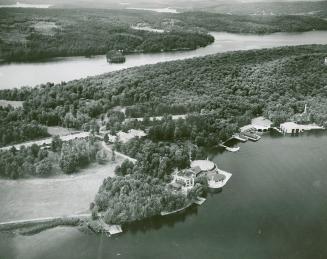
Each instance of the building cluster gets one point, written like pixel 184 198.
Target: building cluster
pixel 184 180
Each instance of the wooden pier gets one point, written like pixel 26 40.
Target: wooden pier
pixel 251 136
pixel 165 213
pixel 240 138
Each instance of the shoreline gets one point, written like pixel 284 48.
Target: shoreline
pixel 24 228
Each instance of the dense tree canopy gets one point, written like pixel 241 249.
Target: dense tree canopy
pixel 224 91
pixel 57 33
pixel 31 161
pixel 34 34
pixel 135 197
pixel 14 128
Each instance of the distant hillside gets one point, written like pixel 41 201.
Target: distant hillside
pixel 313 8
pixel 32 34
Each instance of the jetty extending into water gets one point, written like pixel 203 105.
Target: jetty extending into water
pixel 50 222
pixel 250 135
pixel 239 137
pixel 165 213
pixel 198 201
pixel 230 149
pixel 110 229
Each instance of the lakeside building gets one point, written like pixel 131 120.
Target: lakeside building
pixel 259 124
pixel 291 128
pixel 185 179
pixel 294 128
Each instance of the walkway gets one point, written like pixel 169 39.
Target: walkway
pixel 10 224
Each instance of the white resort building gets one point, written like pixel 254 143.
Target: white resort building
pixel 291 128
pixel 294 128
pixel 185 179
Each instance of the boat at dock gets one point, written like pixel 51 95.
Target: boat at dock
pixel 230 149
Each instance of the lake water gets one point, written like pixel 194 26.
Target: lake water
pixel 274 206
pixel 65 69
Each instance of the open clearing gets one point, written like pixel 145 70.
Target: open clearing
pixel 52 197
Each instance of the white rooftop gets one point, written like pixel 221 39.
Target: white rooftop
pixel 261 121
pixel 205 165
pixel 258 123
pixel 293 125
pixel 290 125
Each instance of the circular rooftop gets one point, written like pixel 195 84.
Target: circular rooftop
pixel 205 165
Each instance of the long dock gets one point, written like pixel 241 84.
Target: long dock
pixel 165 213
pixel 238 137
pixel 27 222
pixel 251 136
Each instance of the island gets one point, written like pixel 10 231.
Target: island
pixel 115 56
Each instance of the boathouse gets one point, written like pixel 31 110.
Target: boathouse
pixel 294 128
pixel 291 128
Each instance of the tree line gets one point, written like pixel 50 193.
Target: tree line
pixel 61 33
pixel 225 90
pixel 65 157
pixel 135 197
pixel 14 128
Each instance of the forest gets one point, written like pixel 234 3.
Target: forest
pixel 140 190
pixel 36 161
pixel 310 8
pixel 219 93
pixel 222 92
pixel 258 24
pixel 135 197
pixel 15 129
pixel 37 34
